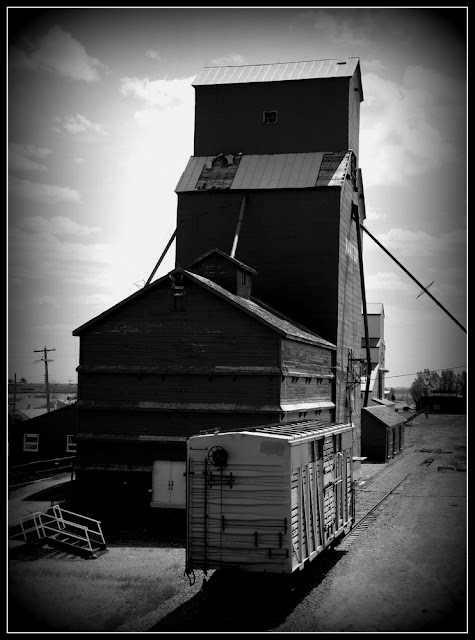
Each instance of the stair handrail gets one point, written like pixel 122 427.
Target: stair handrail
pixel 78 515
pixel 71 534
pixel 42 525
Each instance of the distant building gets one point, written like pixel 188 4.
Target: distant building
pixel 443 402
pixel 42 437
pixel 375 314
pixel 382 433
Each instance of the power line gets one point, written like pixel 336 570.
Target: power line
pixel 402 375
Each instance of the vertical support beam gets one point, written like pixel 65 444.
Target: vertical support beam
pixel 238 226
pixel 356 217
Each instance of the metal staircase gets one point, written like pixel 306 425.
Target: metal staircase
pixel 64 530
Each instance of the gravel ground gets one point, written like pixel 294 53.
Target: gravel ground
pixel 403 573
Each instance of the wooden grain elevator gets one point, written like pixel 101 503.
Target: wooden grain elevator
pixel 274 182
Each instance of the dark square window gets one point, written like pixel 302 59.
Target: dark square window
pixel 269 117
pixel 178 297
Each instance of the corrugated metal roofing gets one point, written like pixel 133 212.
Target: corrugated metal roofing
pixel 269 318
pixel 385 415
pixel 272 171
pixel 281 71
pixel 290 431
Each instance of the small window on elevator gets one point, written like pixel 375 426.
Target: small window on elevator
pixel 269 117
pixel 179 299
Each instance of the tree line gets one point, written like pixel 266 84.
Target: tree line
pixel 429 382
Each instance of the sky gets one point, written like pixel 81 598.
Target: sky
pixel 100 123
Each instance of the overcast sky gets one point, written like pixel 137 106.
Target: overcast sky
pixel 100 129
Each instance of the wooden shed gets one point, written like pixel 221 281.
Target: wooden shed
pixel 382 433
pixel 268 499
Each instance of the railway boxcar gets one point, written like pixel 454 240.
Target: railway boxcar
pixel 268 499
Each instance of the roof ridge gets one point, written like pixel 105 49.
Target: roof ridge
pixel 267 64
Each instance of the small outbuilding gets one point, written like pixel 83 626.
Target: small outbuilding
pixel 382 433
pixel 443 402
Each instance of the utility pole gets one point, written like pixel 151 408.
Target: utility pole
pixel 45 360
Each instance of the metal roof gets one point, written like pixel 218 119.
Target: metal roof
pixel 300 430
pixel 272 171
pixel 292 431
pixel 385 415
pixel 281 71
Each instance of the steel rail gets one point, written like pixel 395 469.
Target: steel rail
pixel 353 533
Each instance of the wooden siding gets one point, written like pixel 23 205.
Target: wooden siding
pixel 349 314
pixel 127 455
pixel 312 116
pixel 210 332
pixel 225 273
pixel 354 102
pixel 132 389
pixel 290 237
pixel 133 424
pixel 298 356
pixel 299 359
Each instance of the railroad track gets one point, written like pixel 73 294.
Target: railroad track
pixel 373 503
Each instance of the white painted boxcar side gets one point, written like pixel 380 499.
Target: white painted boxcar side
pixel 270 499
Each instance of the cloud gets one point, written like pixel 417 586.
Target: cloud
pixel 42 193
pixel 23 157
pixel 401 127
pixel 384 282
pixel 342 32
pixel 59 52
pixel 74 124
pixel 57 225
pixel 100 299
pixel 41 254
pixel 44 300
pixel 374 213
pixel 234 59
pixel 158 94
pixel 420 243
pixel 153 54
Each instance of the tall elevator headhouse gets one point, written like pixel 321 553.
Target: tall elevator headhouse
pixel 275 183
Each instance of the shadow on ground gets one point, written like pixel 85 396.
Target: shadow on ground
pixel 143 526
pixel 247 602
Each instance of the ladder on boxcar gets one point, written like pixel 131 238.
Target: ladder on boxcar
pixel 64 530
